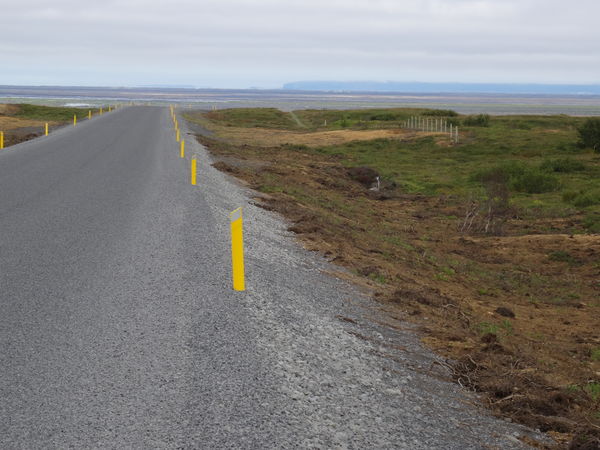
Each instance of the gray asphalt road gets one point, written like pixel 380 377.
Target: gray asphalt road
pixel 119 329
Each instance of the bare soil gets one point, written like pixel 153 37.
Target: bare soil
pixel 17 129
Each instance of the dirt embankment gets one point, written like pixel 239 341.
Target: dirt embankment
pixel 516 315
pixel 17 129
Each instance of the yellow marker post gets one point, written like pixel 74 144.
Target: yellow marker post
pixel 177 137
pixel 101 111
pixel 193 170
pixel 89 114
pixel 1 140
pixel 237 250
pixel 74 119
pixel 46 129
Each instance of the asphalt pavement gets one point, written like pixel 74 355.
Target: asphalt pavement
pixel 119 327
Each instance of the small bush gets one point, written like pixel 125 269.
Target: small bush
pixel 583 200
pixel 562 256
pixel 589 134
pixel 520 177
pixel 482 120
pixel 487 328
pixel 535 181
pixel 383 116
pixel 593 389
pixel 441 113
pixel 503 172
pixel 562 165
pixel 569 196
pixel 592 222
pixel 519 125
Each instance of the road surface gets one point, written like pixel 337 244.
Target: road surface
pixel 119 328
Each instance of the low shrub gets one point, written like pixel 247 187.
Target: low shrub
pixel 582 199
pixel 592 222
pixel 535 181
pixel 562 165
pixel 586 199
pixel 520 178
pixel 383 116
pixel 441 113
pixel 589 134
pixel 481 120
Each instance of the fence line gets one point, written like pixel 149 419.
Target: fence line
pixel 432 125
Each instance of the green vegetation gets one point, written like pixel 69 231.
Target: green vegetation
pixel 562 256
pixel 481 120
pixel 589 134
pixel 536 157
pixel 440 113
pixel 255 117
pixel 593 389
pixel 592 222
pixel 519 177
pixel 505 328
pixel 562 165
pixel 50 113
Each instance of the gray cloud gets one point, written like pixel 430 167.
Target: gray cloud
pixel 238 43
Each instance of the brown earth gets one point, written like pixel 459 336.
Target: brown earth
pixel 265 136
pixel 275 137
pixel 17 129
pixel 516 315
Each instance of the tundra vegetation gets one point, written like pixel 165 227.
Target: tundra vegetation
pixel 491 245
pixel 21 122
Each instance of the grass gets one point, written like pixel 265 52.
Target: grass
pixel 50 113
pixel 593 389
pixel 562 256
pixel 255 117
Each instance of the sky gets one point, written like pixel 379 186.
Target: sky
pixel 266 43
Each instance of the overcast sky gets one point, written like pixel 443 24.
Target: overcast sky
pixel 265 43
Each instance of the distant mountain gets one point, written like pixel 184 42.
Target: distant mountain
pixel 447 88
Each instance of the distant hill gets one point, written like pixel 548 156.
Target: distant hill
pixel 449 88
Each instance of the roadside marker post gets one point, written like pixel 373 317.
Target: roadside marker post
pixel 237 250
pixel 74 119
pixel 193 170
pixel 177 137
pixel 46 129
pixel 89 114
pixel 182 150
pixel 101 112
pixel 1 140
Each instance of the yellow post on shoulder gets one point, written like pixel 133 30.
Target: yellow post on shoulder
pixel 182 151
pixel 1 140
pixel 101 112
pixel 74 119
pixel 46 129
pixel 237 250
pixel 177 136
pixel 194 171
pixel 90 114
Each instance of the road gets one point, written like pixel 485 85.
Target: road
pixel 119 327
